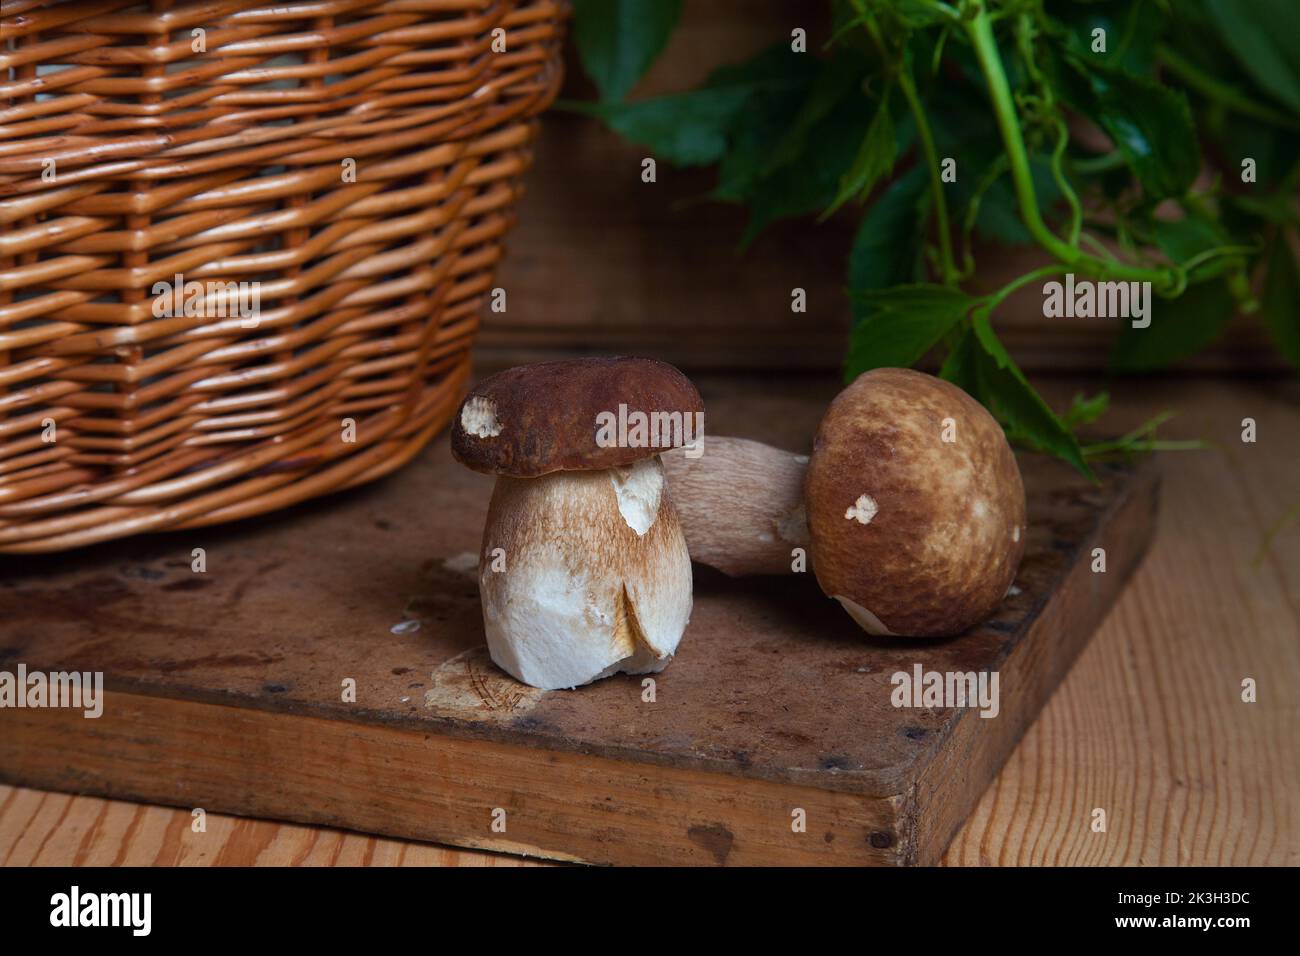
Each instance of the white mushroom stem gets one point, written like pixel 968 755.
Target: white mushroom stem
pixel 583 574
pixel 740 504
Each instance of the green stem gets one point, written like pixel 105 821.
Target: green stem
pixel 905 83
pixel 986 49
pixel 1097 246
pixel 1098 164
pixel 1111 448
pixel 1204 257
pixel 1287 517
pixel 980 30
pixel 1025 40
pixel 991 175
pixel 991 302
pixel 1063 183
pixel 1220 92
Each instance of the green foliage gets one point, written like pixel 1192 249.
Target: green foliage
pixel 886 249
pixel 703 126
pixel 1085 411
pixel 1193 235
pixel 1262 36
pixel 1150 124
pixel 619 39
pixel 874 161
pixel 1000 86
pixel 1280 305
pixel 794 168
pixel 1179 328
pixel 904 323
pixel 1003 389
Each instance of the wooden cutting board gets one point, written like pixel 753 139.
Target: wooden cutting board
pixel 225 689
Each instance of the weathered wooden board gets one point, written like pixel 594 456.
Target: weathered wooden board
pixel 225 688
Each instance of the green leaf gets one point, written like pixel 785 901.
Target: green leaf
pixel 808 183
pixel 1132 27
pixel 1150 124
pixel 961 367
pixel 1270 208
pixel 617 40
pixel 1191 236
pixel 1181 239
pixel 848 32
pixel 1085 411
pixel 789 80
pixel 1262 36
pixel 885 248
pixel 905 322
pixel 687 129
pixel 698 128
pixel 1280 302
pixel 838 79
pixel 959 120
pixel 1014 402
pixel 789 151
pixel 981 367
pixel 1179 328
pixel 1273 148
pixel 999 219
pixel 875 160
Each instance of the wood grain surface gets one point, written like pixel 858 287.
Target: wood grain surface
pixel 1148 725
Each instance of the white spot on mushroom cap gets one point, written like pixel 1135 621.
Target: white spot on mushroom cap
pixel 1015 533
pixel 863 510
pixel 479 417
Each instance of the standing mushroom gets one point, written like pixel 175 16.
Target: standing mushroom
pixel 583 571
pixel 912 508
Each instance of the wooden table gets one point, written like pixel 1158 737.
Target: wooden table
pixel 1149 725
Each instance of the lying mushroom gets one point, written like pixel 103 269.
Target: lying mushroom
pixel 584 570
pixel 911 505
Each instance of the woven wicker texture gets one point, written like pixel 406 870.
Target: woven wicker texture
pixel 330 179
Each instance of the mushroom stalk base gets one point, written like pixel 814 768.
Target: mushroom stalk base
pixel 583 575
pixel 741 505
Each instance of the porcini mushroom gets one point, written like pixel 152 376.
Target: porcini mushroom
pixel 583 571
pixel 741 505
pixel 913 506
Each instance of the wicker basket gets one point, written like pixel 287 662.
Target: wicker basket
pixel 244 246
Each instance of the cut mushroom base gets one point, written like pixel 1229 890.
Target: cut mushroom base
pixel 597 578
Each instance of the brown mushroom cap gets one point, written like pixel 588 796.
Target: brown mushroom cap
pixel 914 535
pixel 535 419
